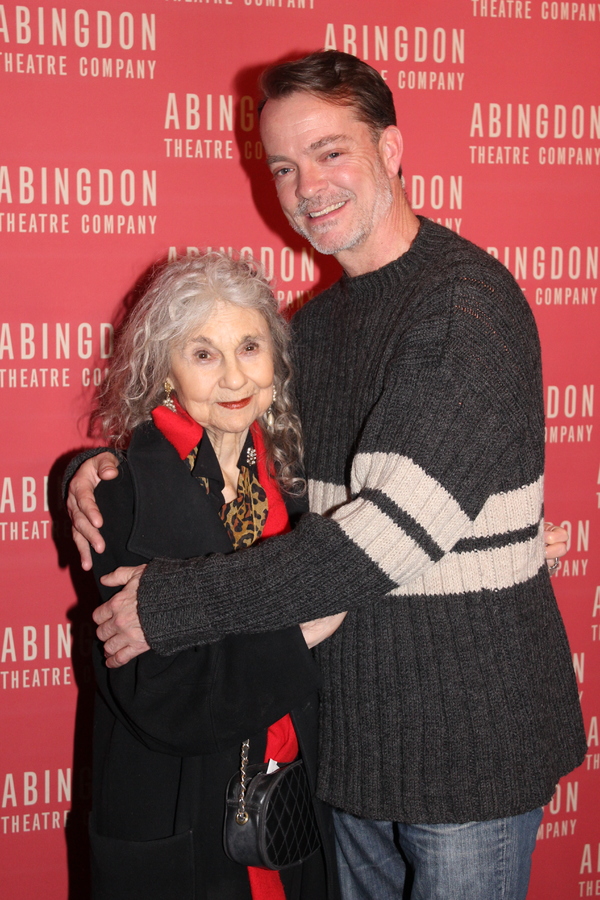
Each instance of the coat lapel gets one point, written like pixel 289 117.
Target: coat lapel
pixel 173 517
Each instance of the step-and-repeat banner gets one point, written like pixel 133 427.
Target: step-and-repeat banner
pixel 129 132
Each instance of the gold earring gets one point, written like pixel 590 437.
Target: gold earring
pixel 168 401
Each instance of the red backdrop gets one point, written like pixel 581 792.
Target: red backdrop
pixel 129 131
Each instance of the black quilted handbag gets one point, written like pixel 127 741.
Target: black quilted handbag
pixel 269 819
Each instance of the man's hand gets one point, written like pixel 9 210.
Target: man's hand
pixel 85 515
pixel 119 625
pixel 555 539
pixel 319 629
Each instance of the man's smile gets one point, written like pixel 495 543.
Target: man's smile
pixel 328 209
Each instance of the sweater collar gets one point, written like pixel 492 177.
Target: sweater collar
pixel 427 238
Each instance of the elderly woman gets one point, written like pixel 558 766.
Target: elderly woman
pixel 200 388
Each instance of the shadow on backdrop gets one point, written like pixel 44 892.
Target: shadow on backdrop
pixel 83 635
pixel 263 191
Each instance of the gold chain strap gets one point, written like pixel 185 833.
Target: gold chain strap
pixel 241 817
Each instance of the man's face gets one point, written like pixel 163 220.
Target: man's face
pixel 330 176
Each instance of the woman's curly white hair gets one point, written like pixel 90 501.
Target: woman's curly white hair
pixel 179 299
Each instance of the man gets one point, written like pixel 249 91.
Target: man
pixel 449 707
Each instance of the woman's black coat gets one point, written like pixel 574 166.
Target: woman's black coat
pixel 168 729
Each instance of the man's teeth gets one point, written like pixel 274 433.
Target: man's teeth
pixel 328 209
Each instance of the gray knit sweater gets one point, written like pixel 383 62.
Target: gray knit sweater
pixel 449 693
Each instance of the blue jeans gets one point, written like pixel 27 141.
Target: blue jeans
pixel 474 861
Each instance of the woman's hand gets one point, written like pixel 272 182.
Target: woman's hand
pixel 319 629
pixel 85 515
pixel 555 539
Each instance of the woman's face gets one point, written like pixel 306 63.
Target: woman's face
pixel 223 375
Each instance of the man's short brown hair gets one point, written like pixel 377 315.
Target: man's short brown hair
pixel 338 78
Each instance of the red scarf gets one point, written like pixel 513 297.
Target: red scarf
pixel 282 744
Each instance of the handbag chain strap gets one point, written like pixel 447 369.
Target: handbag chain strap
pixel 241 817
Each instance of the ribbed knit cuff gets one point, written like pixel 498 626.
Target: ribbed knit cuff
pixel 171 617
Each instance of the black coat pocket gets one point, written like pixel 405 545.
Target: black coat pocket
pixel 142 870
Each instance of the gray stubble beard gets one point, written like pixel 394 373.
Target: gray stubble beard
pixel 364 228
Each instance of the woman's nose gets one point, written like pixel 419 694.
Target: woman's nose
pixel 233 376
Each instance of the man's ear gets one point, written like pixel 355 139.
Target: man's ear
pixel 391 147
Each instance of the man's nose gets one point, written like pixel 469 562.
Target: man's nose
pixel 311 181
